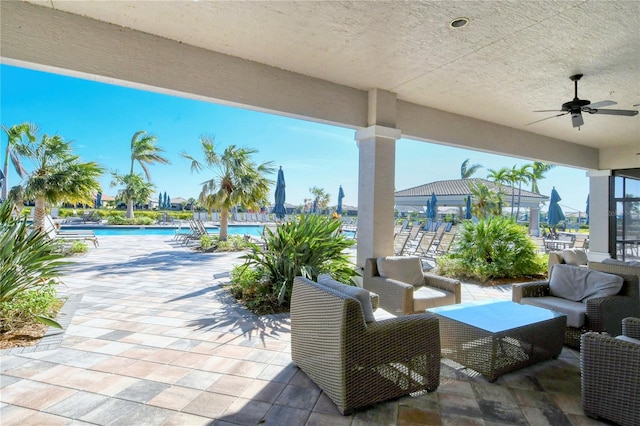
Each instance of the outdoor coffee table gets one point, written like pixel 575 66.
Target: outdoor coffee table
pixel 496 337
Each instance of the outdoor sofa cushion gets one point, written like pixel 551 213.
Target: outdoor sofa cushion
pixel 425 297
pixel 575 311
pixel 360 294
pixel 581 284
pixel 406 269
pixel 575 257
pixel 628 339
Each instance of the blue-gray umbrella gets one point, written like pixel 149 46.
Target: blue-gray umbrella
pixel 434 206
pixel 588 209
pixel 467 214
pixel 280 196
pixel 428 212
pixel 315 205
pixel 555 211
pixel 99 200
pixel 340 197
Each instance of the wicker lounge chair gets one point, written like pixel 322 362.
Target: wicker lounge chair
pixel 610 376
pixel 358 363
pixel 405 289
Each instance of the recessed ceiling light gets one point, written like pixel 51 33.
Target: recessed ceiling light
pixel 459 22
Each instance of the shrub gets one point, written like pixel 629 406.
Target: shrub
pixel 206 242
pixel 492 248
pixel 233 243
pixel 27 260
pixel 308 246
pixel 78 247
pixel 27 306
pixel 121 220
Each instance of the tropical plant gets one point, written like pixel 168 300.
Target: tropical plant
pixel 78 247
pixel 27 259
pixel 466 170
pixel 320 198
pixel 18 134
pixel 134 190
pixel 145 152
pixel 308 246
pixel 485 202
pixel 538 170
pixel 522 175
pixel 494 247
pixel 58 175
pixel 237 180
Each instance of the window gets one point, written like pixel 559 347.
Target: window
pixel 626 221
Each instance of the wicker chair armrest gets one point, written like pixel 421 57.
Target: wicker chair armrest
pixel 396 297
pixel 532 289
pixel 375 300
pixel 444 283
pixel 607 313
pixel 631 327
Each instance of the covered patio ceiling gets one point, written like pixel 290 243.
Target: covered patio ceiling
pixel 473 87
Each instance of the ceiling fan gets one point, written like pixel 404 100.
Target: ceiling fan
pixel 577 106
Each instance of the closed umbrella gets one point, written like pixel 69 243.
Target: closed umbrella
pixel 315 205
pixel 278 208
pixel 588 209
pixel 434 206
pixel 555 211
pixel 467 214
pixel 340 197
pixel 99 200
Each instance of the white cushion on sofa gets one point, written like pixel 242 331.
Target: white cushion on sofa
pixel 360 294
pixel 575 257
pixel 580 284
pixel 628 339
pixel 575 311
pixel 426 297
pixel 406 269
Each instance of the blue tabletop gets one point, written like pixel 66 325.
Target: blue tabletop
pixel 495 316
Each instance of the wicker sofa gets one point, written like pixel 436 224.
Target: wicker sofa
pixel 405 289
pixel 600 314
pixel 355 362
pixel 610 375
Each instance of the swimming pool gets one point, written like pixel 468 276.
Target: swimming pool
pixel 255 230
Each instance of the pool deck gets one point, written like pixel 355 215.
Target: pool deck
pixel 154 339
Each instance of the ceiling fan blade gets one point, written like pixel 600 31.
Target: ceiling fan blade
pixel 549 110
pixel 547 118
pixel 627 112
pixel 601 104
pixel 576 119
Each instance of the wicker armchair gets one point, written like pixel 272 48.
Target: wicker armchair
pixel 611 375
pixel 357 363
pixel 603 314
pixel 402 298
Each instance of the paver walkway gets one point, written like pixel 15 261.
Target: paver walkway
pixel 156 340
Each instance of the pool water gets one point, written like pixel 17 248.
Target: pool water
pixel 143 230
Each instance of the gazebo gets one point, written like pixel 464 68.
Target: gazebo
pixel 454 192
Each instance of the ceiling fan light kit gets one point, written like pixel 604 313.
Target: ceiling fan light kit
pixel 577 106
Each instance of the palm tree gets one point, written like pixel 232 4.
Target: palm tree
pixel 523 175
pixel 237 180
pixel 467 171
pixel 500 177
pixel 320 197
pixel 58 175
pixel 134 190
pixel 538 171
pixel 485 201
pixel 145 152
pixel 20 133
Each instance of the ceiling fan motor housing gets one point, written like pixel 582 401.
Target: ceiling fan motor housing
pixel 575 105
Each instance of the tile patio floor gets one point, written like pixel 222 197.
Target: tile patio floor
pixel 155 340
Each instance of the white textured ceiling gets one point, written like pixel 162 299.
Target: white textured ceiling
pixel 512 57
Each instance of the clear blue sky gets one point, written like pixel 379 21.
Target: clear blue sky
pixel 101 119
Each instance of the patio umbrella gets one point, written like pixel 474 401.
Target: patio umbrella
pixel 434 206
pixel 98 200
pixel 340 197
pixel 315 205
pixel 467 214
pixel 588 209
pixel 278 208
pixel 555 211
pixel 428 212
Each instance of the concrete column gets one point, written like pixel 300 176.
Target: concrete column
pixel 599 214
pixel 376 191
pixel 534 221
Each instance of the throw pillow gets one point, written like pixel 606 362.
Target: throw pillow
pixel 360 294
pixel 401 268
pixel 568 282
pixel 601 284
pixel 575 257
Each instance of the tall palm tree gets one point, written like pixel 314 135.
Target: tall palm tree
pixel 320 197
pixel 145 152
pixel 538 170
pixel 500 177
pixel 467 171
pixel 58 175
pixel 523 175
pixel 485 201
pixel 134 189
pixel 237 180
pixel 20 133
